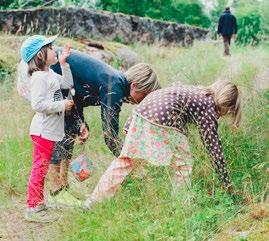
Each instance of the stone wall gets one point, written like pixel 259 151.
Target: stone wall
pixel 85 23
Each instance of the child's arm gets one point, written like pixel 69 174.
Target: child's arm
pixel 39 101
pixel 66 80
pixel 209 135
pixel 127 125
pixel 79 120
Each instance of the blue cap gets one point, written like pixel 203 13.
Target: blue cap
pixel 32 45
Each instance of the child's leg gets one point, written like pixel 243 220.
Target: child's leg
pixel 111 180
pixel 183 165
pixel 41 158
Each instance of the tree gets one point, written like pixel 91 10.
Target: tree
pixel 249 21
pixel 190 11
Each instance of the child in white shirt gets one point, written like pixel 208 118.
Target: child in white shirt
pixel 47 125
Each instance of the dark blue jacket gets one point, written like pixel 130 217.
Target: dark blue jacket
pixel 96 83
pixel 227 24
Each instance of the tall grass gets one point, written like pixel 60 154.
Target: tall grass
pixel 149 208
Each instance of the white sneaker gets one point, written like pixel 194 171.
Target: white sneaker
pixel 88 204
pixel 40 214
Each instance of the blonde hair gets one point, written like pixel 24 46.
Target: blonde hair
pixel 144 76
pixel 38 62
pixel 226 96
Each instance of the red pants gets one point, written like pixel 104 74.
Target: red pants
pixel 41 158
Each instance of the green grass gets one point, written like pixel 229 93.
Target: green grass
pixel 149 209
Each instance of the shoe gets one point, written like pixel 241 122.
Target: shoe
pixel 63 199
pixel 40 214
pixel 88 204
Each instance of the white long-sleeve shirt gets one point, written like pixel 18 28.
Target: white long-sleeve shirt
pixel 47 101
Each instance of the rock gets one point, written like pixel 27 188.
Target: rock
pixel 103 55
pixel 85 23
pixel 127 56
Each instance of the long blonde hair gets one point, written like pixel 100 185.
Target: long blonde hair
pixel 144 76
pixel 226 96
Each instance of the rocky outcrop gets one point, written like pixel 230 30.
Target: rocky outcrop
pixel 84 23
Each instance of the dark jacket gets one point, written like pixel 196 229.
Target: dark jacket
pixel 96 83
pixel 227 24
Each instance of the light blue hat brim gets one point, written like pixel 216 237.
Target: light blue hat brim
pixel 50 40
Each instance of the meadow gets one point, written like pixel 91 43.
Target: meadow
pixel 149 208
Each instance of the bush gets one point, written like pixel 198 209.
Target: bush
pixel 190 12
pixel 249 29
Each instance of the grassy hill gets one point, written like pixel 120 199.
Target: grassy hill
pixel 148 208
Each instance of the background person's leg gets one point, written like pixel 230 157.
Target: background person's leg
pixel 229 39
pixel 226 42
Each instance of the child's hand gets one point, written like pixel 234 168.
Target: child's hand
pixel 83 134
pixel 64 54
pixel 68 104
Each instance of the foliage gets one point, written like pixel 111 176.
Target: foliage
pixel 149 208
pixel 215 14
pixel 18 4
pixel 249 22
pixel 249 29
pixel 264 10
pixel 190 12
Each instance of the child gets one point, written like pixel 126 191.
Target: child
pixel 96 84
pixel 47 125
pixel 160 121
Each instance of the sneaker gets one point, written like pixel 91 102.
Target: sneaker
pixel 39 214
pixel 63 199
pixel 88 204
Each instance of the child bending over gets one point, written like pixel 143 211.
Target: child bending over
pixel 159 123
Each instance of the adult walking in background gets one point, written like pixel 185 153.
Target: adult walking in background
pixel 227 27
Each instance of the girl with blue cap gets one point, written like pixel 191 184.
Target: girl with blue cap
pixel 47 126
pixel 96 83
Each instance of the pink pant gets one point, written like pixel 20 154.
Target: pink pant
pixel 41 158
pixel 121 167
pixel 112 179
